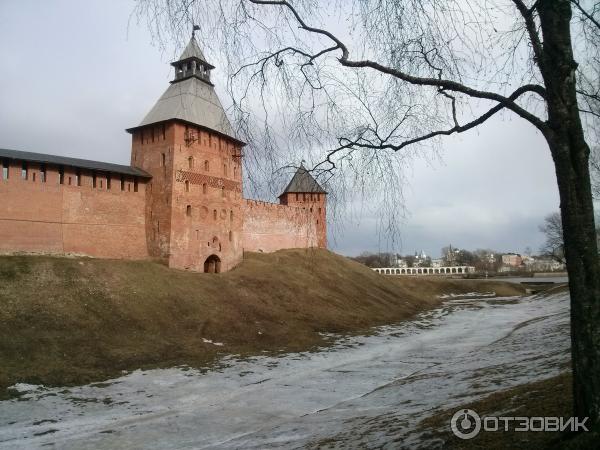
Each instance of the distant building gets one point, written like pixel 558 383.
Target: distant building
pixel 512 260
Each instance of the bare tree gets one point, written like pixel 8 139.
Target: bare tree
pixel 554 246
pixel 366 85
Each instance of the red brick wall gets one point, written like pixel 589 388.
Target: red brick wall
pixel 152 150
pixel 48 217
pixel 210 184
pixel 269 227
pixel 316 207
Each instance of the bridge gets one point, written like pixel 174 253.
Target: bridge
pixel 454 270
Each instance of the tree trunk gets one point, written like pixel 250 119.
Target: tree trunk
pixel 571 154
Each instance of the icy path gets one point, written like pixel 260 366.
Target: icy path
pixel 365 391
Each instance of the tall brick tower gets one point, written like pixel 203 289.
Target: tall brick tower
pixel 305 192
pixel 193 205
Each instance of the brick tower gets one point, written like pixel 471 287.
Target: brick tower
pixel 194 200
pixel 305 192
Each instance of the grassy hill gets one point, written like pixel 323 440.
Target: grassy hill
pixel 76 320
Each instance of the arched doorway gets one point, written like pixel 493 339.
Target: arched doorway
pixel 212 264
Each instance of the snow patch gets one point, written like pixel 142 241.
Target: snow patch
pixel 469 294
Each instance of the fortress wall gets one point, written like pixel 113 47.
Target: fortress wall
pixel 269 227
pixel 48 217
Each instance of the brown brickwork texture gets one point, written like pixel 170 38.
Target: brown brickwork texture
pixel 53 218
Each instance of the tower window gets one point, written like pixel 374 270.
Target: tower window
pixel 206 166
pixel 225 169
pixel 204 189
pixel 187 186
pixel 135 185
pixel 101 183
pixel 214 214
pixel 163 159
pixel 4 169
pixel 94 180
pixel 108 181
pixel 43 173
pixel 190 162
pixel 78 177
pixel 230 236
pixel 223 191
pixel 24 171
pixel 61 175
pixel 231 216
pixel 33 177
pixel 122 183
pixel 188 211
pixel 297 198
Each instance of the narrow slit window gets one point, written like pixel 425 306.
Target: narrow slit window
pixel 135 185
pixel 24 171
pixel 204 188
pixel 214 214
pixel 94 180
pixel 5 169
pixel 163 159
pixel 33 177
pixel 43 174
pixel 187 186
pixel 61 175
pixel 78 178
pixel 108 181
pixel 206 165
pixel 190 162
pixel 122 183
pixel 188 211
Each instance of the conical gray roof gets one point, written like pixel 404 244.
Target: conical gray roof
pixel 303 181
pixel 191 100
pixel 192 50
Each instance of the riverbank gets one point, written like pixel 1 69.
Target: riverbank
pixel 545 398
pixel 67 321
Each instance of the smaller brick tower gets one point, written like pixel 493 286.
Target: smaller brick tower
pixel 305 192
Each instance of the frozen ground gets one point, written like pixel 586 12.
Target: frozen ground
pixel 367 391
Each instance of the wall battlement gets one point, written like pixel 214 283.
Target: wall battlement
pixel 179 200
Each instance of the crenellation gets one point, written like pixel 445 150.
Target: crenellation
pixel 179 201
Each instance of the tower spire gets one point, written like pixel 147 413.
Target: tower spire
pixel 192 62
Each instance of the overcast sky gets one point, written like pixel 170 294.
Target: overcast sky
pixel 75 74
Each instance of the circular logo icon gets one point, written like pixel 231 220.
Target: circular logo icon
pixel 465 424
